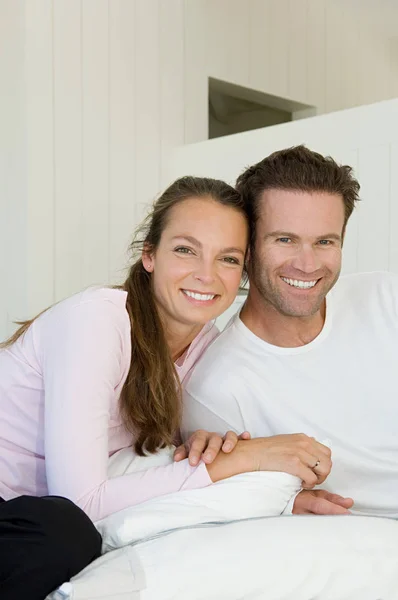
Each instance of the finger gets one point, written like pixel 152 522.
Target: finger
pixel 230 441
pixel 335 498
pixel 245 436
pixel 321 506
pixel 316 447
pixel 322 450
pixel 197 444
pixel 320 467
pixel 213 448
pixel 308 477
pixel 180 453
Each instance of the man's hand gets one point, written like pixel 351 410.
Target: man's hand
pixel 320 502
pixel 205 446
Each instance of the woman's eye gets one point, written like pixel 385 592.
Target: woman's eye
pixel 183 250
pixel 231 260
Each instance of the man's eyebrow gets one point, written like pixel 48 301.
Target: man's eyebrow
pixel 198 244
pixel 279 233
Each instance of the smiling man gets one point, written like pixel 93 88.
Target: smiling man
pixel 309 352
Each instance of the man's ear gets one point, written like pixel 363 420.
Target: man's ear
pixel 147 257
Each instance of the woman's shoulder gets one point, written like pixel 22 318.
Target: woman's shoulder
pixel 87 308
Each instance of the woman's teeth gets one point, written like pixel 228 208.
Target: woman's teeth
pixel 197 296
pixel 299 284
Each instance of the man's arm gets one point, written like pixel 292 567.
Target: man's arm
pixel 198 416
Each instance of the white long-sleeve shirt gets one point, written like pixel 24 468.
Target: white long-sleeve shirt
pixel 343 387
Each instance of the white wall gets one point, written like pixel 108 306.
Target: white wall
pixel 96 93
pixel 366 138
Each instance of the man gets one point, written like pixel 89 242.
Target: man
pixel 309 352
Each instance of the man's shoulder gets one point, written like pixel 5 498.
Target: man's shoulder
pixel 367 291
pixel 369 280
pixel 220 355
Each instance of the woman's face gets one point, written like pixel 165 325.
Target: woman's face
pixel 197 267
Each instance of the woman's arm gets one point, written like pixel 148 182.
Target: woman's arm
pixel 85 358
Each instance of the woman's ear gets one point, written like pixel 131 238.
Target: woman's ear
pixel 147 258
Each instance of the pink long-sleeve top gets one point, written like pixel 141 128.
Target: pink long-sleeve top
pixel 59 408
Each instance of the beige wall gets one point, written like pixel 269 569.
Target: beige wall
pixel 96 93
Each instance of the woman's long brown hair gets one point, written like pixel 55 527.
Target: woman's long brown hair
pixel 150 401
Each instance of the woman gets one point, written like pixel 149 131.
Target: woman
pixel 101 371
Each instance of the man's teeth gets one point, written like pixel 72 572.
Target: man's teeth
pixel 197 296
pixel 299 284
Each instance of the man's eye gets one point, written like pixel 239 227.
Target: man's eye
pixel 183 250
pixel 284 240
pixel 325 242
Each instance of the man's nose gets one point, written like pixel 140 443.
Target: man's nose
pixel 307 260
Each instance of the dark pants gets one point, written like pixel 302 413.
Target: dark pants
pixel 43 542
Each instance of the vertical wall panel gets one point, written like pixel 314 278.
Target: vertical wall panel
pixel 147 104
pixel 172 89
pixel 297 86
pixel 95 65
pixel 333 56
pixel 195 76
pixel 227 48
pixel 393 62
pixel 316 54
pixel 279 48
pixel 68 147
pixel 13 165
pixel 351 51
pixel 260 44
pixel 122 146
pixel 40 154
pixel 374 224
pixel 393 231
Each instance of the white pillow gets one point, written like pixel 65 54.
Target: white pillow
pixel 172 557
pixel 276 558
pixel 241 497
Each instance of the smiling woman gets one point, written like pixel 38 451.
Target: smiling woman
pixel 102 371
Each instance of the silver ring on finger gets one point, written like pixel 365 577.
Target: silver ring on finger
pixel 318 462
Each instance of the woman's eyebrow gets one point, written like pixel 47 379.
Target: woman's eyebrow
pixel 198 244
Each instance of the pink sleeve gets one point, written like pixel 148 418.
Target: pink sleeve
pixel 82 366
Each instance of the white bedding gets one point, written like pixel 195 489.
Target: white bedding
pixel 165 549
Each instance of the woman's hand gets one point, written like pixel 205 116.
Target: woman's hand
pixel 296 454
pixel 205 446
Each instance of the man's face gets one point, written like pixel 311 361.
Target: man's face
pixel 297 252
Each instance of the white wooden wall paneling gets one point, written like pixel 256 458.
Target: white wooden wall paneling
pixel 195 75
pixel 228 47
pixel 40 159
pixel 95 205
pixel 172 88
pixel 316 54
pixel 297 73
pixel 279 57
pixel 122 143
pixel 147 104
pixel 68 148
pixel 260 44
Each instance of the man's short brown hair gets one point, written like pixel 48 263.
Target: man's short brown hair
pixel 297 169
